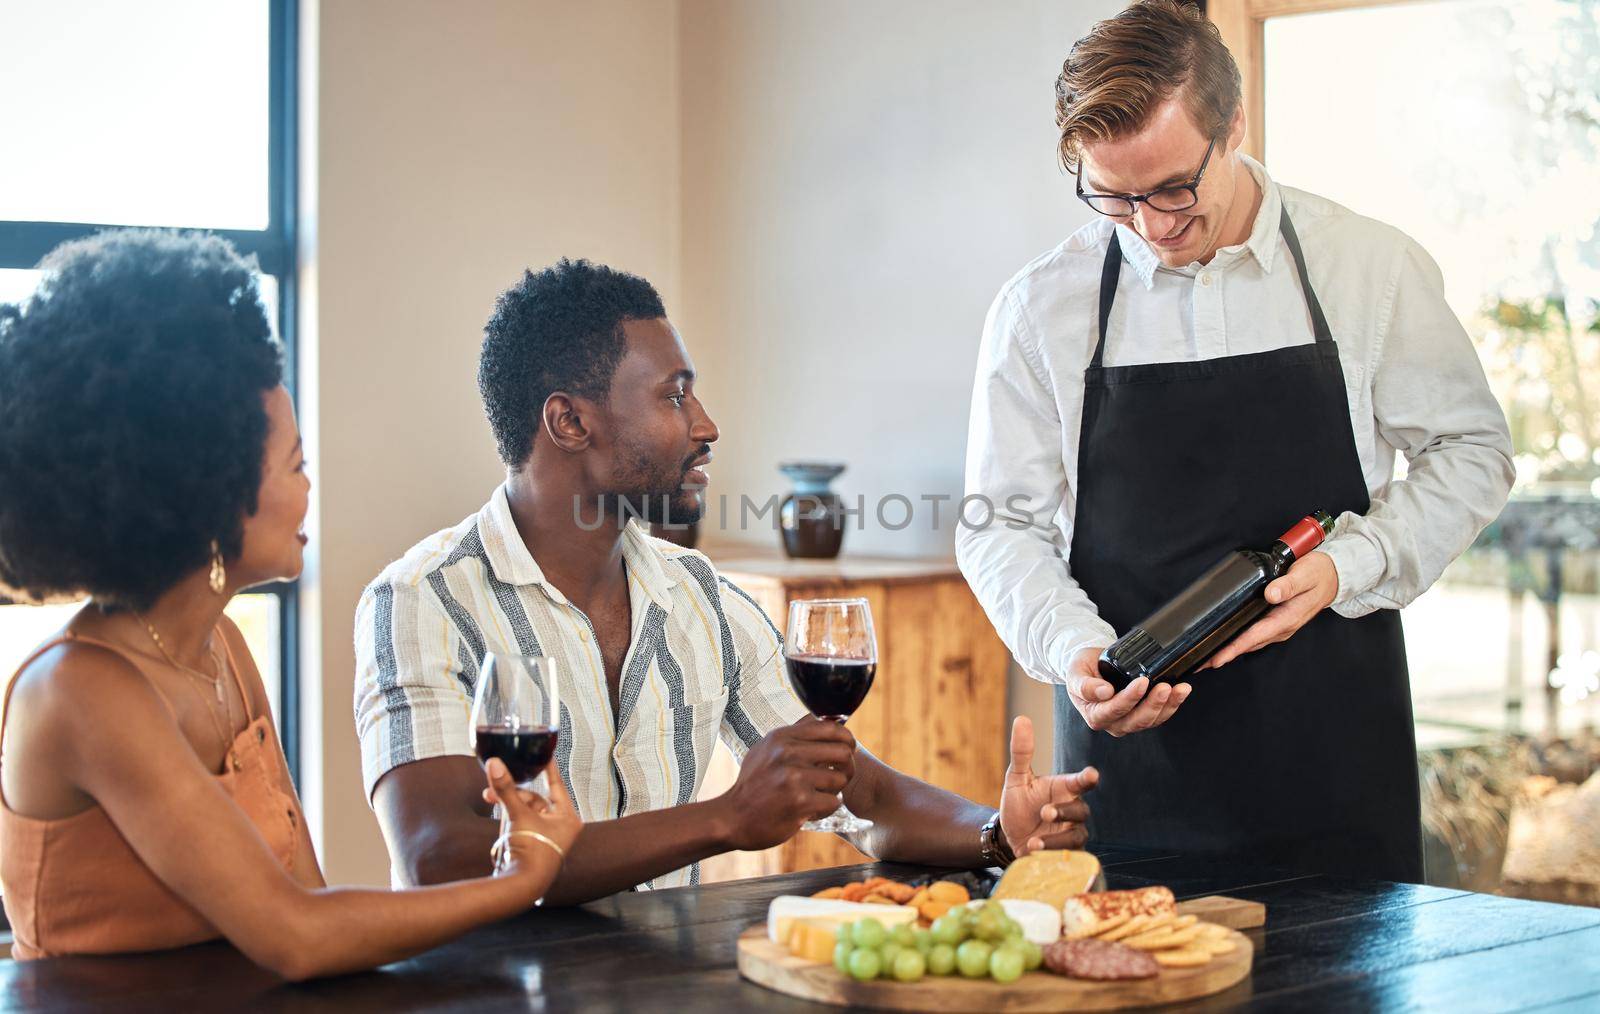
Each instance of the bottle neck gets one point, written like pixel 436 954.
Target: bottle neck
pixel 1282 557
pixel 1306 535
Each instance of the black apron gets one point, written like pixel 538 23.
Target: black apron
pixel 1301 754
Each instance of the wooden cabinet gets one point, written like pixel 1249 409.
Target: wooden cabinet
pixel 937 709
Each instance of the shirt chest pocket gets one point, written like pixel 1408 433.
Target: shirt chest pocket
pixel 688 734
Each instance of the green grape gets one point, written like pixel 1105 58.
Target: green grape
pixel 991 925
pixel 869 933
pixel 942 959
pixel 1015 944
pixel 1032 955
pixel 1013 928
pixel 1005 964
pixel 972 959
pixel 909 965
pixel 865 964
pixel 842 934
pixel 888 952
pixel 841 956
pixel 903 935
pixel 922 940
pixel 947 929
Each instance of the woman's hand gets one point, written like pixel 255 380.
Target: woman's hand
pixel 555 819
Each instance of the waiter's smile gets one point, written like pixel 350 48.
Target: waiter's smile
pixel 1170 152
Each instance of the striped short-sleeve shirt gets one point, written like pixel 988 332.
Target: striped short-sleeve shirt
pixel 703 661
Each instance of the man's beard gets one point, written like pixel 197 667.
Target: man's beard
pixel 677 507
pixel 652 494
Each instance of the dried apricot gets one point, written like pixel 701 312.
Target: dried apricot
pixel 944 890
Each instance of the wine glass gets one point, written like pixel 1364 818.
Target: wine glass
pixel 516 716
pixel 832 656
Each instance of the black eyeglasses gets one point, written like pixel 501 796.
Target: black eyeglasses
pixel 1176 198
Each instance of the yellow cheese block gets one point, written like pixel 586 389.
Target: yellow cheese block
pixel 1049 876
pixel 828 912
pixel 812 942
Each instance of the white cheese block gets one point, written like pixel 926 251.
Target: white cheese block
pixel 1041 923
pixel 829 912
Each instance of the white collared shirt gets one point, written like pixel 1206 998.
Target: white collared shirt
pixel 1412 379
pixel 703 660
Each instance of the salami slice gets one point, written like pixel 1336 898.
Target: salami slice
pixel 1098 959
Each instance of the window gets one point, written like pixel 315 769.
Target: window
pixel 173 113
pixel 1483 145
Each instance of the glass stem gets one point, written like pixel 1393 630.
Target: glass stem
pixel 503 853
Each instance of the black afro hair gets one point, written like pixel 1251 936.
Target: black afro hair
pixel 132 426
pixel 556 330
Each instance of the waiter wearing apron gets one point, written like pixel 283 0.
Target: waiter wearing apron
pixel 1210 359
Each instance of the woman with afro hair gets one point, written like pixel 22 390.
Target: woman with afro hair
pixel 149 459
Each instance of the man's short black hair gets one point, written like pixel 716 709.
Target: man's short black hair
pixel 559 329
pixel 132 427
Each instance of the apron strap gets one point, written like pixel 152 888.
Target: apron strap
pixel 1319 323
pixel 1112 271
pixel 1108 293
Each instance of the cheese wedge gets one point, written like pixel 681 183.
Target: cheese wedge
pixel 1040 923
pixel 1088 914
pixel 811 941
pixel 1050 876
pixel 829 913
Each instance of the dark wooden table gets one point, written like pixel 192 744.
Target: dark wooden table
pixel 1330 944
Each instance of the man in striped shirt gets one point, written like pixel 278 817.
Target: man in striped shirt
pixel 590 394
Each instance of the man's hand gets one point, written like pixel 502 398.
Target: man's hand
pixel 1308 589
pixel 1119 714
pixel 1041 813
pixel 793 775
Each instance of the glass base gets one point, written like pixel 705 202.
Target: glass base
pixel 840 821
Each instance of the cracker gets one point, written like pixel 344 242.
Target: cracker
pixel 1212 931
pixel 1184 957
pixel 1163 939
pixel 1216 946
pixel 1185 921
pixel 1104 926
pixel 1138 924
pixel 1165 919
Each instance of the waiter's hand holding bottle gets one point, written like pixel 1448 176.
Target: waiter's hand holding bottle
pixel 1132 710
pixel 1307 589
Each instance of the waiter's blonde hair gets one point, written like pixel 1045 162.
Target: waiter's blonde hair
pixel 1127 65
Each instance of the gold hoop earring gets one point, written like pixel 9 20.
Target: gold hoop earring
pixel 219 573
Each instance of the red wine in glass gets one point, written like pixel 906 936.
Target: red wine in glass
pixel 831 688
pixel 832 657
pixel 516 712
pixel 524 751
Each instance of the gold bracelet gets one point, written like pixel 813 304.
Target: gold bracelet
pixel 501 842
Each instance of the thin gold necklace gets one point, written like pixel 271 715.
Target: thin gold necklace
pixel 215 684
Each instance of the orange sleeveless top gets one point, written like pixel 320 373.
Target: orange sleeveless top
pixel 75 886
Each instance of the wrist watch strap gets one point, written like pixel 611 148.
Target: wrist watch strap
pixel 992 843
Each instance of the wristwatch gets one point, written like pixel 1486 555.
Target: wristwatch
pixel 992 844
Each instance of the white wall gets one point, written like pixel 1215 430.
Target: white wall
pixel 859 178
pixel 457 143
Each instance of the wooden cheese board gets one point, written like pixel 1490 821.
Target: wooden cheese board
pixel 767 964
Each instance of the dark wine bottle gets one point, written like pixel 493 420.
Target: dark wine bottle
pixel 1204 616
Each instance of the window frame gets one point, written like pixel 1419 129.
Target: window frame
pixel 1242 24
pixel 24 243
